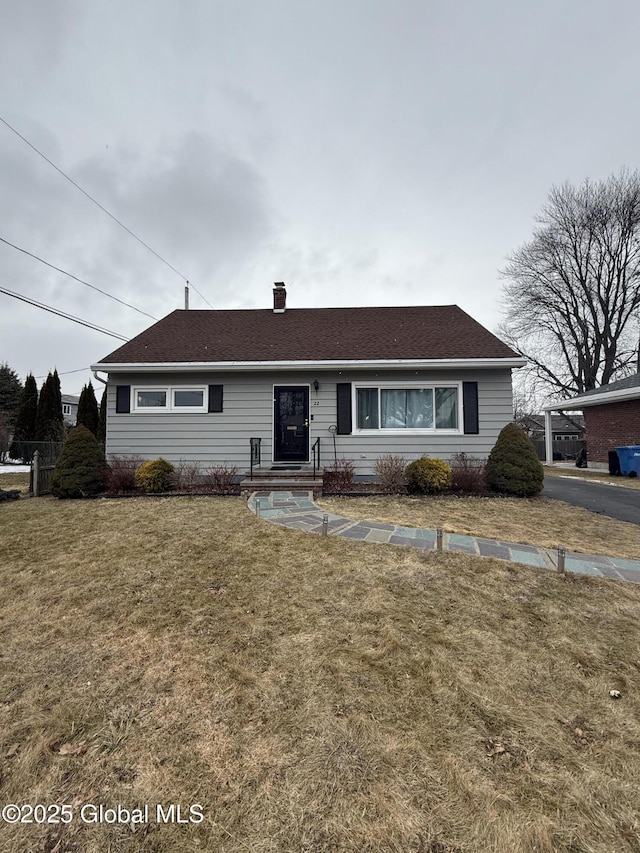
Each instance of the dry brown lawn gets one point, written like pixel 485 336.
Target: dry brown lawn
pixel 19 480
pixel 536 521
pixel 311 694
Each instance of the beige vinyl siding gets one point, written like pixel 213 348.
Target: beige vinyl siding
pixel 223 437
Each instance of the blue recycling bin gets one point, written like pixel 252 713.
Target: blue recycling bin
pixel 629 460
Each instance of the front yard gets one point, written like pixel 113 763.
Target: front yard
pixel 536 521
pixel 310 694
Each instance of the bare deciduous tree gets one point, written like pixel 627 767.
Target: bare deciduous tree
pixel 572 296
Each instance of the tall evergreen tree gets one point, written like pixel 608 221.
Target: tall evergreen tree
pixel 49 421
pixel 10 390
pixel 43 413
pixel 25 431
pixel 57 402
pixel 88 410
pixel 102 421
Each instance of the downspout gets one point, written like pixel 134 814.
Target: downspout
pixel 548 438
pixel 105 383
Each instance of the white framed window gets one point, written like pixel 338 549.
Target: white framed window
pixel 169 399
pixel 407 407
pixel 150 398
pixel 188 399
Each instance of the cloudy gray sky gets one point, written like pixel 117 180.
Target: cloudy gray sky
pixel 364 152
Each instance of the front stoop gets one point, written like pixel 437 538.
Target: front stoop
pixel 266 479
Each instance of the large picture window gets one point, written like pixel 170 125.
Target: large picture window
pixel 407 408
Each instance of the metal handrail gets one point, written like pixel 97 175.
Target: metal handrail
pixel 255 454
pixel 316 456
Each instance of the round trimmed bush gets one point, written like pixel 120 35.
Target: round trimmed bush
pixel 155 475
pixel 81 468
pixel 428 476
pixel 513 467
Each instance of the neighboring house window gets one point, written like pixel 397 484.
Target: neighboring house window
pixel 170 399
pixel 66 409
pixel 410 407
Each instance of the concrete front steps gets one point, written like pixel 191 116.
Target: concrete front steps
pixel 282 479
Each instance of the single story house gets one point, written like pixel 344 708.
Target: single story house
pixel 612 418
pixel 563 427
pixel 198 386
pixel 567 432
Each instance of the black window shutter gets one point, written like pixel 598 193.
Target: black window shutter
pixel 215 398
pixel 470 405
pixel 123 399
pixel 344 408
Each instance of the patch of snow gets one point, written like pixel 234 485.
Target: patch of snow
pixel 14 469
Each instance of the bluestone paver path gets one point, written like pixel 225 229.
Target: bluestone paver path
pixel 296 509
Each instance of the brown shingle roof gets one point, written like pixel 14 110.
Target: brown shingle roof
pixel 312 334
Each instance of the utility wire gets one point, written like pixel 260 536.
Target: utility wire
pixel 62 314
pixel 102 208
pixel 64 372
pixel 75 278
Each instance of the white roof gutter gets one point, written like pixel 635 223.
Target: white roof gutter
pixel 618 396
pixel 229 366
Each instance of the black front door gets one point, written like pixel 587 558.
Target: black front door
pixel 291 423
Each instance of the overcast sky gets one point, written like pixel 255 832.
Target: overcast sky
pixel 364 152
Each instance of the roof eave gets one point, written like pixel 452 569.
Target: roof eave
pixel 595 400
pixel 231 366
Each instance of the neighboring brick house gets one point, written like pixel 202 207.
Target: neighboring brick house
pixel 612 418
pixel 308 385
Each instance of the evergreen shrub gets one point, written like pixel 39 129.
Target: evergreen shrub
pixel 88 414
pixel 155 475
pixel 80 469
pixel 428 476
pixel 513 467
pixel 25 431
pixel 49 420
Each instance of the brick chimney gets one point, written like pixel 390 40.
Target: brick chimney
pixel 279 297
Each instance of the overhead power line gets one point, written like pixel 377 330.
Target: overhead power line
pixel 102 208
pixel 65 372
pixel 62 314
pixel 75 278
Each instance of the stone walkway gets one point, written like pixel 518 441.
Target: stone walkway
pixel 296 509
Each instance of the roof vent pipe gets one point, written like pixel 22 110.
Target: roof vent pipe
pixel 279 297
pixel 186 296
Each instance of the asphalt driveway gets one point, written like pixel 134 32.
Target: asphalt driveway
pixel 614 501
